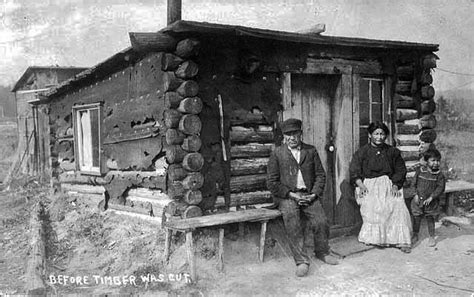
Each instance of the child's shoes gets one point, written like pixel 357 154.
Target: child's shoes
pixel 414 238
pixel 431 242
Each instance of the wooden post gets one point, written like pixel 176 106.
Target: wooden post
pixel 241 229
pixel 261 248
pixel 169 234
pixel 35 265
pixel 173 11
pixel 190 254
pixel 220 259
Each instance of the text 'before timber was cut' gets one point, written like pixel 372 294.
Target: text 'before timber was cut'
pixel 125 280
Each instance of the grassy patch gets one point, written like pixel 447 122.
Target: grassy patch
pixel 8 145
pixel 457 149
pixel 456 137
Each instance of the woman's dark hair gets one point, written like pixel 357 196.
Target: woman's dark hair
pixel 432 153
pixel 378 125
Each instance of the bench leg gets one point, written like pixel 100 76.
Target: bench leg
pixel 261 248
pixel 190 253
pixel 220 260
pixel 241 229
pixel 169 233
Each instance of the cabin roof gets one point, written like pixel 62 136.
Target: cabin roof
pixel 127 56
pixel 32 69
pixel 186 27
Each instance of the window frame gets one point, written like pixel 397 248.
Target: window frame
pixel 94 170
pixel 370 99
pixel 384 102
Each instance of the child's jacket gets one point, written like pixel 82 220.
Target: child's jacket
pixel 428 184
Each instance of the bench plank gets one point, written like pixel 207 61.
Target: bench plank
pixel 458 185
pixel 260 214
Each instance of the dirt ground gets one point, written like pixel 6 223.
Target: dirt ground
pixel 82 242
pixel 426 271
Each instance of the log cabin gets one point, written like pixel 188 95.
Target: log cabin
pixel 182 122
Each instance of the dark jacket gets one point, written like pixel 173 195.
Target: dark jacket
pixel 370 162
pixel 282 171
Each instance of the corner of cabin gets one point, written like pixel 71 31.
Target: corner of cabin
pixel 414 108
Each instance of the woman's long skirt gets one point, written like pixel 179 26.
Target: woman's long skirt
pixel 385 217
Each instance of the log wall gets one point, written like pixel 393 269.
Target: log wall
pixel 150 110
pixel 414 108
pixel 183 128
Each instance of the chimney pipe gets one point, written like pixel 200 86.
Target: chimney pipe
pixel 174 11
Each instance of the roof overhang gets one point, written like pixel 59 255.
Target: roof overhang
pixel 188 27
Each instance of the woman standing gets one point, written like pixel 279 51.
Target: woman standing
pixel 379 171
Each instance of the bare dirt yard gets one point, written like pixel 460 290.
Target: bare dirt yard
pixel 121 255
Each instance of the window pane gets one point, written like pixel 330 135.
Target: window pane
pixel 80 137
pixel 377 112
pixel 364 91
pixel 364 118
pixel 376 91
pixel 95 136
pixel 363 136
pixel 86 139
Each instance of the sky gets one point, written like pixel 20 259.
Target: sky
pixel 86 32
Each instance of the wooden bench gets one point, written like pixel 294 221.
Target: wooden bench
pixel 456 192
pixel 187 226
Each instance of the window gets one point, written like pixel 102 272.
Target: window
pixel 370 105
pixel 87 137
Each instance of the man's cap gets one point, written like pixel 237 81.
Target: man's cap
pixel 290 125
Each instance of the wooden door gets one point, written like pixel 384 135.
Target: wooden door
pixel 324 104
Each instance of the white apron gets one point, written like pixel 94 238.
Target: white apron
pixel 386 220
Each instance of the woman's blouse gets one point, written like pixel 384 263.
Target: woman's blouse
pixel 371 162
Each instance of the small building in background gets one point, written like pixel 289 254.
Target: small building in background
pixel 33 152
pixel 7 106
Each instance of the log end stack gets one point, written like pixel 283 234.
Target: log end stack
pixel 183 128
pixel 414 108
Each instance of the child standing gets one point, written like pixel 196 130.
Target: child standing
pixel 429 184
